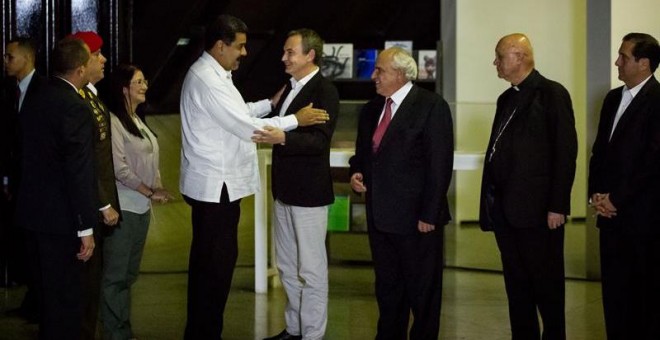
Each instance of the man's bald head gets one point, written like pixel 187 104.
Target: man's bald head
pixel 514 58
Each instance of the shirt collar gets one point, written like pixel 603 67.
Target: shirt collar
pixel 215 65
pixel 23 84
pixel 302 82
pixel 68 82
pixel 400 94
pixel 92 88
pixel 635 90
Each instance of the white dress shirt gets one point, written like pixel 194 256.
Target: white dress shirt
pixel 217 126
pixel 627 96
pixel 296 86
pixel 397 99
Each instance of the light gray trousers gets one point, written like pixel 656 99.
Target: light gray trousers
pixel 303 266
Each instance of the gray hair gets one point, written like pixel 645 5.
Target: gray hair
pixel 404 62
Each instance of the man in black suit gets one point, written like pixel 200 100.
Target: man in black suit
pixel 405 168
pixel 302 188
pixel 58 189
pixel 108 204
pixel 24 82
pixel 624 181
pixel 526 189
pixel 19 62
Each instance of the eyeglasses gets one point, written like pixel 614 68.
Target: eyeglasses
pixel 140 82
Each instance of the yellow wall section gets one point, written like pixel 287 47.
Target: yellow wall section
pixel 557 30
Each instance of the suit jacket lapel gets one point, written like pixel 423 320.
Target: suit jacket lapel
pixel 303 97
pixel 278 107
pixel 405 109
pixel 632 108
pixel 611 110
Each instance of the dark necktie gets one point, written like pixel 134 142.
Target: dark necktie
pixel 18 98
pixel 382 126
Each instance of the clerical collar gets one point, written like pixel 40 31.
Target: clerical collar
pixel 527 81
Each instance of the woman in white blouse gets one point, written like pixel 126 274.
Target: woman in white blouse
pixel 135 156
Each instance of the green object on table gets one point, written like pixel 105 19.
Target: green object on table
pixel 338 214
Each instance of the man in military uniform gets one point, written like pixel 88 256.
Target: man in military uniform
pixel 108 203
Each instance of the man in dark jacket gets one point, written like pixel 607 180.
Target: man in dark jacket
pixel 526 189
pixel 624 182
pixel 403 162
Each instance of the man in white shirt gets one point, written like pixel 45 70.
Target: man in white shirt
pixel 219 167
pixel 302 189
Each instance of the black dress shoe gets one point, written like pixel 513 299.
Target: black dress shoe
pixel 284 335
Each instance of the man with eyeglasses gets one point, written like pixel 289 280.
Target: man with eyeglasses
pixel 108 204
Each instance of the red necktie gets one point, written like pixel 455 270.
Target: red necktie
pixel 382 126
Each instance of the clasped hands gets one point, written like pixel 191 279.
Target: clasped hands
pixel 306 116
pixel 161 195
pixel 602 205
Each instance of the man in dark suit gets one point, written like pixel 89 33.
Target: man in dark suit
pixel 624 181
pixel 302 188
pixel 23 83
pixel 526 189
pixel 405 168
pixel 19 67
pixel 108 204
pixel 57 190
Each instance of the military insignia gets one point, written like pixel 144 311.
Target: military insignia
pixel 81 92
pixel 93 105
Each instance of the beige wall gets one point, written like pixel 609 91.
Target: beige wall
pixel 557 30
pixel 633 16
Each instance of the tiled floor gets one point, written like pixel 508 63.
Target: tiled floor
pixel 474 302
pixel 474 307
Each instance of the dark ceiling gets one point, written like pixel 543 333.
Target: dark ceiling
pixel 158 25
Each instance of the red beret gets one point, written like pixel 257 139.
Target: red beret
pixel 93 40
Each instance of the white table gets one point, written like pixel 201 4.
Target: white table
pixel 338 158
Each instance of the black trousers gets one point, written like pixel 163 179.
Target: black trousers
pixel 213 255
pixel 630 272
pixel 91 286
pixel 533 264
pixel 53 261
pixel 408 279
